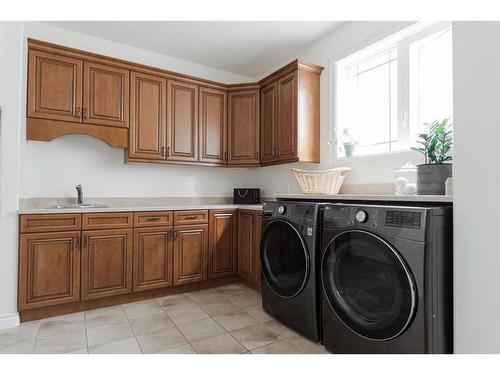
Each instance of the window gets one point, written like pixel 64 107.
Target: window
pixel 386 93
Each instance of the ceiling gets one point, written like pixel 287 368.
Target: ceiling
pixel 249 48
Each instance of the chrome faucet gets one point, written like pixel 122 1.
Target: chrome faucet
pixel 79 191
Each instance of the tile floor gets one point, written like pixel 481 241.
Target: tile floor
pixel 226 319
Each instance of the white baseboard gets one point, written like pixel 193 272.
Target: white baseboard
pixel 9 321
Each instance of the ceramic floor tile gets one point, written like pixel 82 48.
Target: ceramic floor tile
pixel 216 308
pixel 65 325
pixel 147 324
pixel 186 314
pixel 233 286
pixel 231 321
pixel 255 336
pixel 107 325
pixel 161 340
pixel 61 344
pixel 175 301
pixel 79 351
pixel 201 329
pixel 278 347
pixel 222 344
pixel 307 346
pixel 258 313
pixel 281 329
pixel 123 346
pixel 243 298
pixel 202 297
pixel 184 349
pixel 143 308
pixel 19 340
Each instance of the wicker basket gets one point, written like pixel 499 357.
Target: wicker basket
pixel 327 181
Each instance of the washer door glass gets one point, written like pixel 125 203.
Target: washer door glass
pixel 368 285
pixel 284 258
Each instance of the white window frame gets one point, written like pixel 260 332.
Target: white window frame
pixel 402 41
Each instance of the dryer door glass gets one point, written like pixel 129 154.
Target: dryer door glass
pixel 284 258
pixel 368 285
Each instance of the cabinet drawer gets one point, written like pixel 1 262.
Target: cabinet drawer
pixel 153 219
pixel 50 223
pixel 191 217
pixel 108 220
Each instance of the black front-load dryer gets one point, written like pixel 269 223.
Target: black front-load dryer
pixel 386 275
pixel 289 254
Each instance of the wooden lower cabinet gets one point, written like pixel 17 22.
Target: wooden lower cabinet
pixel 249 227
pixel 106 263
pixel 190 254
pixel 49 269
pixel 222 244
pixel 152 258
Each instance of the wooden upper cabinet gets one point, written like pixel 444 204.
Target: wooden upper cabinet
pixel 106 263
pixel 182 123
pixel 287 118
pixel 213 126
pixel 190 254
pixel 105 95
pixel 268 122
pixel 148 120
pixel 49 269
pixel 54 86
pixel 222 243
pixel 243 128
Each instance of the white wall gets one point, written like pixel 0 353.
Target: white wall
pixel 343 41
pixel 53 169
pixel 476 80
pixel 10 92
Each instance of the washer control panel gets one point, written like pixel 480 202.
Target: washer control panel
pixel 403 219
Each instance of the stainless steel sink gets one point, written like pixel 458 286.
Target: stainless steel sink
pixel 79 206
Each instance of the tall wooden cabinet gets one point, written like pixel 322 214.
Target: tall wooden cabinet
pixel 290 123
pixel 243 127
pixel 213 126
pixel 249 227
pixel 222 243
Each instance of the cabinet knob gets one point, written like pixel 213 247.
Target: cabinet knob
pixel 162 151
pixel 85 113
pixel 78 112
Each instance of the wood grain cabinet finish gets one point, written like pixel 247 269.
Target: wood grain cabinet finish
pixel 106 263
pixel 148 120
pixel 287 118
pixel 191 217
pixel 50 223
pixel 54 86
pixel 153 218
pixel 49 269
pixel 222 243
pixel 247 267
pixel 182 122
pixel 268 121
pixel 190 254
pixel 213 126
pixel 105 95
pixel 243 128
pixel 108 220
pixel 152 260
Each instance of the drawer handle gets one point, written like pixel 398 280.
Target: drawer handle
pixel 191 218
pixel 153 219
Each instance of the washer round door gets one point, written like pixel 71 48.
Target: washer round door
pixel 368 285
pixel 284 258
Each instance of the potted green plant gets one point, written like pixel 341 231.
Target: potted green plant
pixel 348 143
pixel 435 145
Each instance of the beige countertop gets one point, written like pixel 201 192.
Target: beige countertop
pixel 171 207
pixel 371 197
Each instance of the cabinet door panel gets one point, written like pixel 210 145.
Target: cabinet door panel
pixel 190 254
pixel 246 245
pixel 54 87
pixel 49 269
pixel 213 126
pixel 243 129
pixel 287 117
pixel 222 244
pixel 105 95
pixel 152 258
pixel 268 107
pixel 182 110
pixel 148 121
pixel 106 263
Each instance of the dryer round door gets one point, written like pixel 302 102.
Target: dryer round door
pixel 368 285
pixel 284 258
